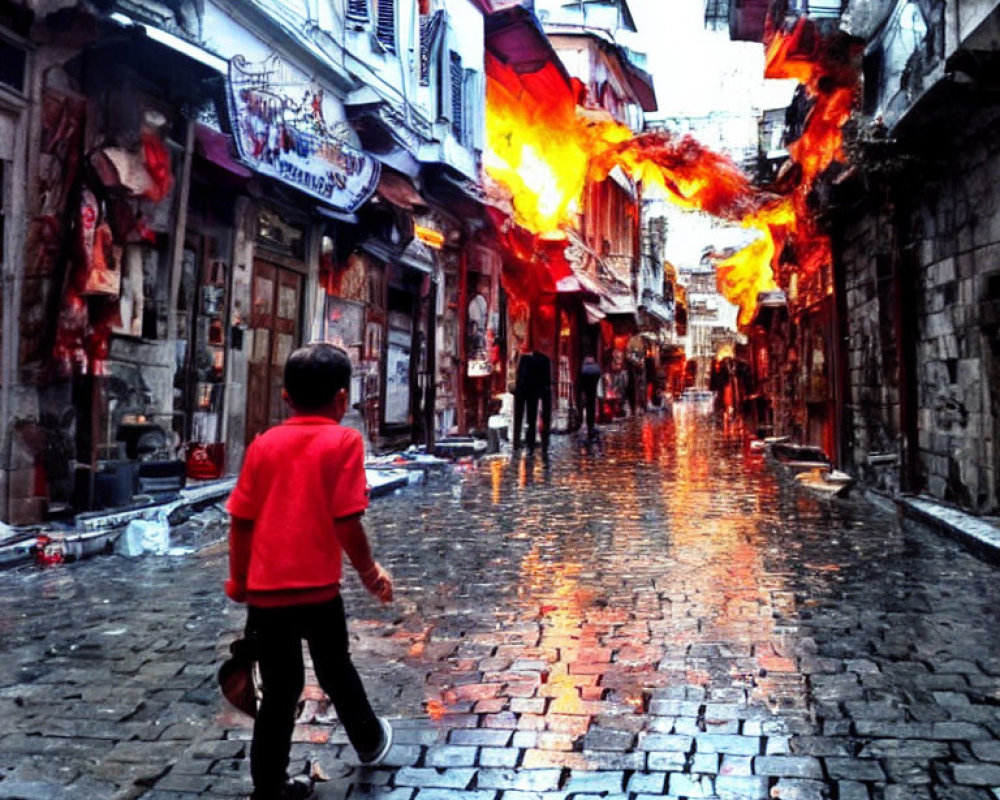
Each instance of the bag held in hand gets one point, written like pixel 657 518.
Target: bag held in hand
pixel 239 677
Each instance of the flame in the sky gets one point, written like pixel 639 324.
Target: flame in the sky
pixel 542 148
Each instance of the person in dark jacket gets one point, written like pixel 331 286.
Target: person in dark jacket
pixel 587 382
pixel 533 387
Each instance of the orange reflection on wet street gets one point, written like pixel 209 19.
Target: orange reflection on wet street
pixel 646 573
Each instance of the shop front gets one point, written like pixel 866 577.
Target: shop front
pixel 132 368
pixel 483 376
pixel 173 264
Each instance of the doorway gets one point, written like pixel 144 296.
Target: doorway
pixel 273 335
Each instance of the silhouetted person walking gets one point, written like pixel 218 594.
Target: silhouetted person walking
pixel 533 387
pixel 587 382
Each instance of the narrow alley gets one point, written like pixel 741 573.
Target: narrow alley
pixel 672 616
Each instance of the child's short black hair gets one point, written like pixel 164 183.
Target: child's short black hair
pixel 315 373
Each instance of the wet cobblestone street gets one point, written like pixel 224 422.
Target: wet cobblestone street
pixel 671 617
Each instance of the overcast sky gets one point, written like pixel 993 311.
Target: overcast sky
pixel 697 71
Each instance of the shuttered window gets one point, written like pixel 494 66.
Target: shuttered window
pixel 430 26
pixel 386 27
pixel 457 77
pixel 357 10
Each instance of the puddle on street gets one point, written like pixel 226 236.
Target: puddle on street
pixel 670 564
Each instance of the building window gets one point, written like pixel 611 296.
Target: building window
pixel 717 15
pixel 430 26
pixel 12 64
pixel 457 76
pixel 385 30
pixel 357 10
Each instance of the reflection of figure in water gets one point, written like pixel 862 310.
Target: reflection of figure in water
pixel 534 385
pixel 589 378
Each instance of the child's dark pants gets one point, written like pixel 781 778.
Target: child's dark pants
pixel 280 632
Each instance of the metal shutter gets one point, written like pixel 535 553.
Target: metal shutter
pixel 386 26
pixel 457 80
pixel 357 9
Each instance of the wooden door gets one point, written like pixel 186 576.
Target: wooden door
pixel 274 325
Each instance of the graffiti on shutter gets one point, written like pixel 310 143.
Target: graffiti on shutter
pixel 386 32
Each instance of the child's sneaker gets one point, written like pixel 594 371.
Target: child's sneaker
pixel 298 788
pixel 377 756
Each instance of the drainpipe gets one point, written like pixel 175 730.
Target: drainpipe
pixel 430 390
pixel 840 373
pixel 177 245
pixel 8 355
pixel 905 302
pixel 463 307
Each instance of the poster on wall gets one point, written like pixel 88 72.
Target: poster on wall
pixel 343 324
pixel 397 385
pixel 280 129
pixel 477 335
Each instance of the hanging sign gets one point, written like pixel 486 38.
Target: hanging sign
pixel 280 131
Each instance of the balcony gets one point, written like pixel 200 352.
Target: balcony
pixel 748 18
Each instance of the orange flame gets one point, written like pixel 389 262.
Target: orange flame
pixel 542 148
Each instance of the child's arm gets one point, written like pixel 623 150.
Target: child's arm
pixel 351 534
pixel 240 533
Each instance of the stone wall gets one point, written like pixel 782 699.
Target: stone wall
pixel 873 448
pixel 928 243
pixel 955 239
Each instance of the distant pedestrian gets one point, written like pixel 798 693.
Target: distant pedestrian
pixel 533 389
pixel 297 504
pixel 587 383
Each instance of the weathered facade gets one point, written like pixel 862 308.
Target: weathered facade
pixel 921 270
pixel 607 253
pixel 191 191
pixel 918 234
pixel 910 319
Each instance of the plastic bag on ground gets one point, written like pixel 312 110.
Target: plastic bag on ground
pixel 145 536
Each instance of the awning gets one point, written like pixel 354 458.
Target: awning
pixel 340 216
pixel 176 43
pixel 641 83
pixel 618 176
pixel 400 160
pixel 589 284
pixel 416 255
pixel 217 148
pixel 594 313
pixel 568 285
pixel 514 37
pixel 399 190
pixel 618 304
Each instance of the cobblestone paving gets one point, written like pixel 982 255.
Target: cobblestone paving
pixel 672 617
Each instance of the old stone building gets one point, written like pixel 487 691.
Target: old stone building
pixel 921 261
pixel 913 213
pixel 917 225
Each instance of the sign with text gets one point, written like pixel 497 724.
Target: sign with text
pixel 280 130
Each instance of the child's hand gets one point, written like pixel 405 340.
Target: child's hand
pixel 236 591
pixel 378 582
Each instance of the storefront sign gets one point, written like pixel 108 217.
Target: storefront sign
pixel 479 368
pixel 280 131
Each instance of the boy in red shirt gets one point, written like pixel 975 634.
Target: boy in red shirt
pixel 298 502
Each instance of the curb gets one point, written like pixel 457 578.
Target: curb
pixel 978 536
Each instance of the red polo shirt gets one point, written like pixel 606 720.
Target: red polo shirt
pixel 297 478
